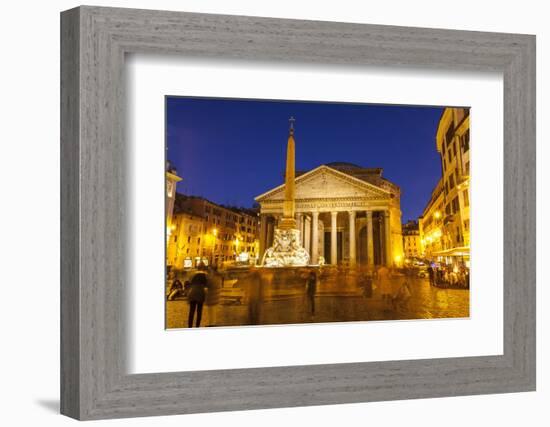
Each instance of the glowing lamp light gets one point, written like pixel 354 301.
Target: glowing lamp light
pixel 437 215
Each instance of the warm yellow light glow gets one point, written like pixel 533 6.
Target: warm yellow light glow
pixel 215 231
pixel 437 214
pixel 397 259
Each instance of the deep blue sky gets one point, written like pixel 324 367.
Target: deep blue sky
pixel 230 151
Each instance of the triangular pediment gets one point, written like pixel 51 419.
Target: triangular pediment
pixel 323 182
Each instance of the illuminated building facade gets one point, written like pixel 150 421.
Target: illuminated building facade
pixel 186 240
pixel 445 223
pixel 203 230
pixel 347 214
pixel 412 247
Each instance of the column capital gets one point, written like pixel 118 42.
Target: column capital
pixel 315 214
pixel 369 213
pixel 334 213
pixel 352 213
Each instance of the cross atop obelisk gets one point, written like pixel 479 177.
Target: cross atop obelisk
pixel 288 221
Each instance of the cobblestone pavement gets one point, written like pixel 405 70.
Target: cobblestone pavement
pixel 426 302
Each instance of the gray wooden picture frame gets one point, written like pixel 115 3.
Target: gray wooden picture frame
pixel 94 381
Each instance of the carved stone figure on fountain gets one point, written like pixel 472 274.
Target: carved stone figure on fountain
pixel 286 250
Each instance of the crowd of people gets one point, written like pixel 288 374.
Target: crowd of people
pixel 445 276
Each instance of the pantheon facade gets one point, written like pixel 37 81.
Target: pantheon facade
pixel 347 214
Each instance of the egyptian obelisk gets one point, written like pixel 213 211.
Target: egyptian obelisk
pixel 287 249
pixel 288 221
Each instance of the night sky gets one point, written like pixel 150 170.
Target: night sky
pixel 230 151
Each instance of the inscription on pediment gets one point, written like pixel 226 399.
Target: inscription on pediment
pixel 327 184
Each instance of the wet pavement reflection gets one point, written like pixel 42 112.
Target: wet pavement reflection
pixel 280 296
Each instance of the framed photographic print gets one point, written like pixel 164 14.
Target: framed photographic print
pixel 284 213
pixel 326 244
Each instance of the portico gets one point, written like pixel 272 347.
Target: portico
pixel 346 214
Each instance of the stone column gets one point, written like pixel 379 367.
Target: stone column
pixel 370 242
pixel 307 234
pixel 352 247
pixel 387 236
pixel 263 235
pixel 333 238
pixel 315 238
pixel 269 239
pixel 299 226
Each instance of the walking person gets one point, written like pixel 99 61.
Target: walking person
pixel 384 285
pixel 402 297
pixel 367 284
pixel 213 297
pixel 311 290
pixel 197 295
pixel 431 275
pixel 254 296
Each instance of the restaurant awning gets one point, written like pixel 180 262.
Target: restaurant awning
pixel 462 251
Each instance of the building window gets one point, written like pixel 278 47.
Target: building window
pixel 455 205
pixel 198 240
pixel 451 182
pixel 466 198
pixel 466 141
pixel 189 239
pixel 449 134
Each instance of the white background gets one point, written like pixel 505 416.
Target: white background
pixel 29 218
pixel 151 78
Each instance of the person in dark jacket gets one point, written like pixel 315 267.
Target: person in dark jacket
pixel 431 275
pixel 311 289
pixel 197 295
